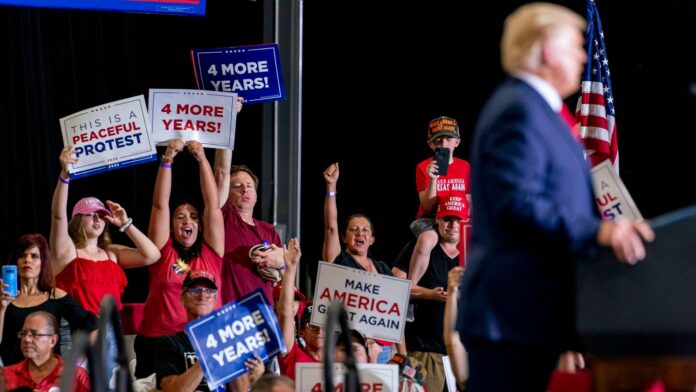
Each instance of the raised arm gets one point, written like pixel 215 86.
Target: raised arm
pixel 213 225
pixel 284 307
pixel 454 346
pixel 223 161
pixel 5 300
pixel 145 251
pixel 158 230
pixel 332 241
pixel 221 167
pixel 62 247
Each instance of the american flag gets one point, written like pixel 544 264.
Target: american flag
pixel 595 109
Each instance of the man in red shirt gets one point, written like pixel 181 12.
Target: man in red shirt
pixel 244 271
pixel 41 369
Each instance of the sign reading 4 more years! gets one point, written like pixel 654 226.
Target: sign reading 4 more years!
pixel 227 337
pixel 375 304
pixel 109 136
pixel 205 116
pixel 253 72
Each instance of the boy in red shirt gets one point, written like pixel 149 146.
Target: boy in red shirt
pixel 433 188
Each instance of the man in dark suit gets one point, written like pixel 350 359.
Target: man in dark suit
pixel 533 208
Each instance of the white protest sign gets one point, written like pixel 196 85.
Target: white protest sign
pixel 373 377
pixel 209 117
pixel 109 136
pixel 376 304
pixel 611 195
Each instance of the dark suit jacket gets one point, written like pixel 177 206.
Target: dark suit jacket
pixel 533 214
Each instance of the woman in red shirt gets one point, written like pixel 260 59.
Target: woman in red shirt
pixel 186 242
pixel 87 265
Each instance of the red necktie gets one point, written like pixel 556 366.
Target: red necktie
pixel 569 118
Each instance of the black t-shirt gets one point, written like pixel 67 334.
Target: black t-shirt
pixel 347 260
pixel 173 356
pixel 403 260
pixel 425 332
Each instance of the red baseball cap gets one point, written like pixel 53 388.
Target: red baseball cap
pixel 453 206
pixel 298 294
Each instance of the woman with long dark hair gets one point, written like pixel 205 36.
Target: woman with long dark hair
pixel 35 291
pixel 186 242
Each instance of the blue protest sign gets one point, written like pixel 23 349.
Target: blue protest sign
pixel 226 338
pixel 177 7
pixel 253 72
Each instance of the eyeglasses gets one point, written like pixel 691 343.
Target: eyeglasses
pixel 32 335
pixel 202 290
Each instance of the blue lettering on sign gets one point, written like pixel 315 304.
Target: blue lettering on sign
pixel 253 72
pixel 194 7
pixel 229 336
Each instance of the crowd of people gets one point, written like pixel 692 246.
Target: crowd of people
pixel 527 195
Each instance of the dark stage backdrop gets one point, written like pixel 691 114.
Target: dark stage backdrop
pixel 374 75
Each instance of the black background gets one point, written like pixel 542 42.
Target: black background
pixel 375 73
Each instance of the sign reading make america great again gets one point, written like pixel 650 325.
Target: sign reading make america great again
pixel 376 304
pixel 108 137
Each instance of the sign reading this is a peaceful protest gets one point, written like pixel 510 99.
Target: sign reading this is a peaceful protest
pixel 228 336
pixel 376 304
pixel 373 377
pixel 206 116
pixel 109 136
pixel 611 195
pixel 251 71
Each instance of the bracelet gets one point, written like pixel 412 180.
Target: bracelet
pixel 126 225
pixel 331 194
pixel 282 267
pixel 166 165
pixel 63 180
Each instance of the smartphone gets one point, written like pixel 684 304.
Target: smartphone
pixel 442 158
pixel 9 277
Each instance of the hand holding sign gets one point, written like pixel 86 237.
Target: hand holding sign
pixel 196 149
pixel 67 157
pixel 173 148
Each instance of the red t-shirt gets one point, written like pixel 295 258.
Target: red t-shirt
pixel 296 355
pixel 239 274
pixel 456 183
pixel 17 376
pixel 89 281
pixel 164 298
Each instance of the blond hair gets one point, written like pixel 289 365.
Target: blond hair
pixel 79 238
pixel 527 28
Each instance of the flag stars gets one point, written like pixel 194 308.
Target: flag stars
pixel 596 56
pixel 601 34
pixel 605 61
pixel 594 71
